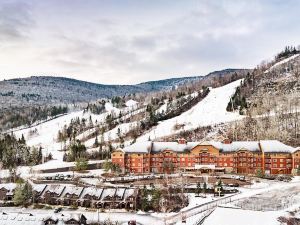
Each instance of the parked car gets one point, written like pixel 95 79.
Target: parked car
pixel 57 210
pixel 233 185
pixel 132 222
pixel 242 178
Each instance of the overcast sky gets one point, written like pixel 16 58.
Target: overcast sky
pixel 132 41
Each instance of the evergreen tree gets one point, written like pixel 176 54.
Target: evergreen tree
pixel 81 164
pixel 204 188
pixel 198 188
pixel 23 141
pixel 22 194
pixel 96 143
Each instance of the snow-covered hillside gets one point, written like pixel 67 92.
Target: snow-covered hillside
pixel 209 111
pixel 45 134
pixel 276 65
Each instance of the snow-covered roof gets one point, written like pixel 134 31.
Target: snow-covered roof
pixel 236 146
pixel 73 190
pixel 20 218
pixel 275 146
pixel 39 187
pixel 10 187
pixel 55 188
pixel 253 146
pixel 129 192
pixel 61 218
pixel 139 147
pixel 120 192
pixel 174 146
pixel 108 192
pixel 149 146
pixel 296 149
pixel 92 191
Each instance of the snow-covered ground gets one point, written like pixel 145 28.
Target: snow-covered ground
pixel 225 216
pixel 282 62
pixel 92 216
pixel 35 171
pixel 235 215
pixel 131 103
pixel 211 110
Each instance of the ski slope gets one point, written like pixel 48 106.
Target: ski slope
pixel 46 133
pixel 211 110
pixel 282 62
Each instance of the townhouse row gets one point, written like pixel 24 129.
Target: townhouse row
pixel 244 157
pixel 69 195
pixel 22 218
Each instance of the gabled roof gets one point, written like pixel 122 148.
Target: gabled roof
pixel 92 191
pixel 129 192
pixel 55 188
pixel 73 190
pixel 108 192
pixel 139 147
pixel 296 149
pixel 10 187
pixel 39 187
pixel 120 192
pixel 174 146
pixel 252 146
pixel 149 146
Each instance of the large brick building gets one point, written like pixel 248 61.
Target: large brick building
pixel 268 156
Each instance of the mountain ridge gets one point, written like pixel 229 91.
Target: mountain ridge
pixel 40 90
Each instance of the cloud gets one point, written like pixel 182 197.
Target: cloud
pixel 15 21
pixel 144 40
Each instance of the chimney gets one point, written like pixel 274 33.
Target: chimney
pixel 181 141
pixel 226 141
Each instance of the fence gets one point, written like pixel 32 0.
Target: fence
pixel 203 217
pixel 198 209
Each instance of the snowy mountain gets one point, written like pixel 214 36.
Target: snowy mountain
pixel 41 90
pixel 211 110
pixel 270 96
